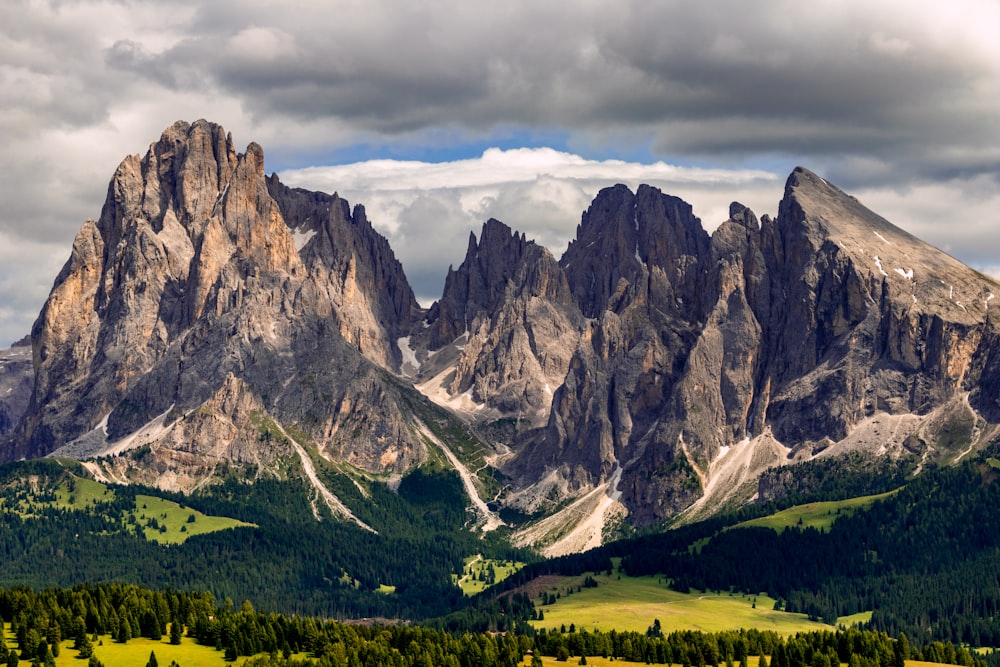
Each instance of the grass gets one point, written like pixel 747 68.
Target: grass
pixel 163 521
pixel 476 566
pixel 81 493
pixel 632 603
pixel 177 520
pixel 136 653
pixel 819 515
pixel 854 619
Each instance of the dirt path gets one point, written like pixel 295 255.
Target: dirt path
pixel 490 519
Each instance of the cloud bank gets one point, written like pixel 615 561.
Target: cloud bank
pixel 894 101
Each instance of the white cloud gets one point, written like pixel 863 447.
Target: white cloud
pixel 427 210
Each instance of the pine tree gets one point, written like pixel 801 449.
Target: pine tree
pixel 152 660
pixel 84 645
pixel 175 632
pixel 901 651
pixel 124 631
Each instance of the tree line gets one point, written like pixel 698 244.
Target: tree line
pixel 41 620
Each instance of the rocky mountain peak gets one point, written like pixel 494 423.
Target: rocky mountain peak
pixel 480 282
pixel 630 245
pixel 192 286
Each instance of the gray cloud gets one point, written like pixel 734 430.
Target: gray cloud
pixel 895 101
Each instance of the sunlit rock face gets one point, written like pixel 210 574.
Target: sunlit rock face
pixel 212 300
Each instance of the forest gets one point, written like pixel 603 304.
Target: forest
pixel 336 570
pixel 87 614
pixel 924 560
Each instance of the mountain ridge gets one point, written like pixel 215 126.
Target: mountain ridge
pixel 215 316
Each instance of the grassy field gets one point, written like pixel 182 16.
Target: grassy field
pixel 163 521
pixel 820 515
pixel 136 653
pixel 477 566
pixel 632 603
pixel 82 493
pixel 177 521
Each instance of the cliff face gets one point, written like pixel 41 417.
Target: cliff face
pixel 16 379
pixel 705 361
pixel 189 305
pixel 503 332
pixel 213 315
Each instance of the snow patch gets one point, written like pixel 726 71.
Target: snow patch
pixel 302 238
pixel 410 365
pixel 988 299
pixel 882 238
pixel 103 424
pixel 908 274
pixel 878 263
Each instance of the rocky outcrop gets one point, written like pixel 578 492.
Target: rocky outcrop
pixel 509 308
pixel 16 380
pixel 188 314
pixel 213 316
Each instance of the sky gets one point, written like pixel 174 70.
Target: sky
pixel 441 114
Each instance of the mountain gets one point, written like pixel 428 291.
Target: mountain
pixel 207 307
pixel 16 378
pixel 214 320
pixel 822 331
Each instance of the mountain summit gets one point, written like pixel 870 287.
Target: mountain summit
pixel 208 307
pixel 213 319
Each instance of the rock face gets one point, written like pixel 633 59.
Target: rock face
pixel 510 310
pixel 189 305
pixel 706 359
pixel 213 315
pixel 16 379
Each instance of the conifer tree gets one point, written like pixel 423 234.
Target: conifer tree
pixel 175 632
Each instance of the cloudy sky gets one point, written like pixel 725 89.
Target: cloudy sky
pixel 440 114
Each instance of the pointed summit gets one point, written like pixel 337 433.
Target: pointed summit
pixel 187 314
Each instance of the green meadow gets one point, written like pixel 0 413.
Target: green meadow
pixel 163 521
pixel 136 652
pixel 173 523
pixel 819 515
pixel 632 603
pixel 480 573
